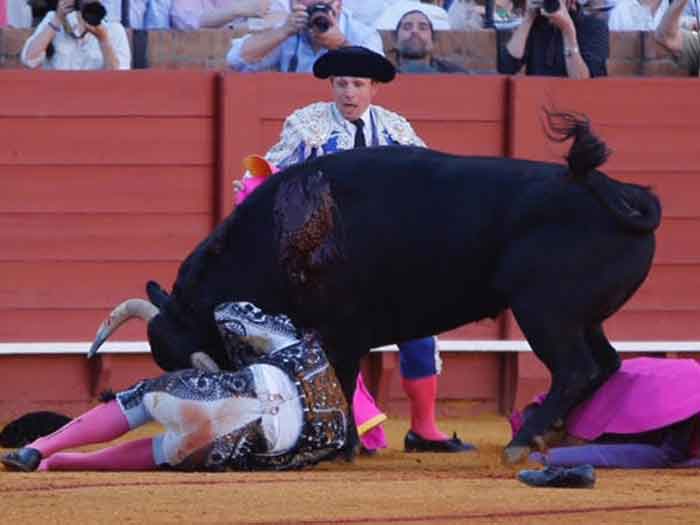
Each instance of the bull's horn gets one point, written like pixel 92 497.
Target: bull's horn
pixel 202 361
pixel 122 313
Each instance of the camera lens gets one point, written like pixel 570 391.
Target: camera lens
pixel 319 16
pixel 550 5
pixel 93 13
pixel 321 24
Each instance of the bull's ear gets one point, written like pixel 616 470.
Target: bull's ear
pixel 156 294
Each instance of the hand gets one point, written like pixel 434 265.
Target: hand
pixel 297 20
pixel 99 31
pixel 62 9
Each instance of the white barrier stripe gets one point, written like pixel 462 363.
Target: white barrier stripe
pixel 446 345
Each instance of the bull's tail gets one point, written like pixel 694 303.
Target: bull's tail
pixel 635 207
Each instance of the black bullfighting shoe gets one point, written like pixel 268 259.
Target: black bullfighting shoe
pixel 579 477
pixel 25 459
pixel 414 443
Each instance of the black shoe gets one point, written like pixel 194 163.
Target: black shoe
pixel 579 477
pixel 414 443
pixel 25 459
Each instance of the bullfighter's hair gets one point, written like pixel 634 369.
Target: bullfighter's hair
pixel 587 152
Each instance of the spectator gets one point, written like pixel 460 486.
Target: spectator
pixel 285 410
pixel 353 121
pixel 565 42
pixel 415 39
pixel 295 45
pixel 3 14
pixel 58 44
pixel 467 15
pixel 393 13
pixel 19 13
pixel 644 416
pixel 637 15
pixel 684 44
pixel 190 15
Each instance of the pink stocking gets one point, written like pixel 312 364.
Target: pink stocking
pixel 103 423
pixel 422 394
pixel 132 455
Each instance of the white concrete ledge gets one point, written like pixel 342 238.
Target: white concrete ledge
pixel 446 345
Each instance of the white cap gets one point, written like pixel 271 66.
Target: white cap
pixel 391 16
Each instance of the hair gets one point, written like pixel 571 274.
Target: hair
pixel 413 11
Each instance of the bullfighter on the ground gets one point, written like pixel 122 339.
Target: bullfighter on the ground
pixel 647 415
pixel 352 121
pixel 282 408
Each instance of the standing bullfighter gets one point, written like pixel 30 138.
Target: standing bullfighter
pixel 352 121
pixel 281 409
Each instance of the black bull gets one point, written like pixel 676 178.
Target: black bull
pixel 381 245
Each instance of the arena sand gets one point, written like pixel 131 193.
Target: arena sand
pixel 390 487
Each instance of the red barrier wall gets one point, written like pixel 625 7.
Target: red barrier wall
pixel 109 179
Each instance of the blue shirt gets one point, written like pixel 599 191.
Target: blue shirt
pixel 356 33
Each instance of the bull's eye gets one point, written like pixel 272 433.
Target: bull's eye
pixel 203 383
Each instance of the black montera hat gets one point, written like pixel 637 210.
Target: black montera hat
pixel 354 61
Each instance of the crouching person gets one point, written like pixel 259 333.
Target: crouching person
pixel 281 409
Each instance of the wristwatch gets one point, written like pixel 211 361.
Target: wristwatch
pixel 570 51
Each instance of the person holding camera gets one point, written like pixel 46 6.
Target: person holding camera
pixel 557 38
pixel 311 29
pixel 76 37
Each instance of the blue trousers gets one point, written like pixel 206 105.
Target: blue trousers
pixel 418 358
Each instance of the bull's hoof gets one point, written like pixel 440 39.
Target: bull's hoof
pixel 514 454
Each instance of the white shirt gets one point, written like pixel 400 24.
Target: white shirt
pixel 367 11
pixel 78 54
pixel 630 15
pixel 350 128
pixel 19 14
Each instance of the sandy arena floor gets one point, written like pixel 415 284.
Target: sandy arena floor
pixel 392 487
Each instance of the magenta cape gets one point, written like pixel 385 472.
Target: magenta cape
pixel 645 394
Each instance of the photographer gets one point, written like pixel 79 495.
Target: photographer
pixel 76 37
pixel 556 38
pixel 311 29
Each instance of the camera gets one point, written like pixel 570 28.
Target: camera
pixel 550 6
pixel 92 12
pixel 320 16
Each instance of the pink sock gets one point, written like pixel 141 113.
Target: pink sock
pixel 132 455
pixel 103 423
pixel 422 394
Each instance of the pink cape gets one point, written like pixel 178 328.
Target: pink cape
pixel 368 418
pixel 645 394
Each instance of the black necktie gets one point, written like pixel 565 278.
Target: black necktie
pixel 359 133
